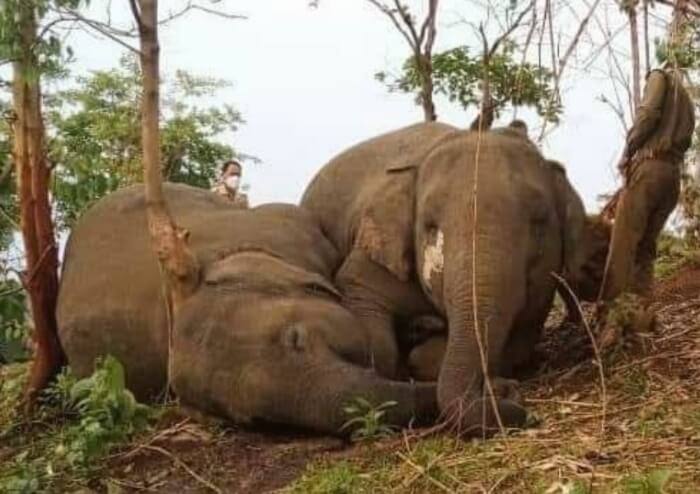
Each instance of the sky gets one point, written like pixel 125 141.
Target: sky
pixel 303 79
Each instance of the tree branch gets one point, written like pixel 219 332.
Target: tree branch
pixel 137 15
pixel 581 28
pixel 386 11
pixel 509 31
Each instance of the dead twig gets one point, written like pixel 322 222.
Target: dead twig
pixel 185 467
pixel 599 363
pixel 424 472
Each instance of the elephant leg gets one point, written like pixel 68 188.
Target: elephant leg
pixel 519 351
pixel 377 297
pixel 425 359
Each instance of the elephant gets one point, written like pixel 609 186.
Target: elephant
pixel 263 337
pixel 400 210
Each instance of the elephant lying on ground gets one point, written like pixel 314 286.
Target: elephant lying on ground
pixel 263 337
pixel 400 210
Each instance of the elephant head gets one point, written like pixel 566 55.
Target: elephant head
pixel 279 347
pixel 492 221
pixel 261 337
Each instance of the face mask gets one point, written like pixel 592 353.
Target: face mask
pixel 232 182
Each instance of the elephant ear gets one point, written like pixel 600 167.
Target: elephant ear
pixel 572 218
pixel 385 231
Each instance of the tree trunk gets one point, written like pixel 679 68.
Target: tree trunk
pixel 634 43
pixel 178 263
pixel 484 120
pixel 41 276
pixel 425 66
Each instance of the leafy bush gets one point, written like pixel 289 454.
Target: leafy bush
pixel 367 420
pixel 108 412
pixel 673 254
pixel 100 413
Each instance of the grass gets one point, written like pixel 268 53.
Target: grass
pixel 644 439
pixel 646 442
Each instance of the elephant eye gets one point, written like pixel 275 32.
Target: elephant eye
pixel 317 289
pixel 294 337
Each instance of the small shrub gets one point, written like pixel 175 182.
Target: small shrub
pixel 98 413
pixel 674 254
pixel 367 420
pixel 653 482
pixel 23 477
pixel 108 412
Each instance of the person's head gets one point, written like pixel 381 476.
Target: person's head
pixel 231 174
pixel 231 167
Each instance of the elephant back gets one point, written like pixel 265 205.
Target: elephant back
pixel 358 177
pixel 110 277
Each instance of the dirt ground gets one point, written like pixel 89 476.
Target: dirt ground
pixel 183 456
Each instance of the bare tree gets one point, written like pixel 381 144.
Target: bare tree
pixel 421 42
pixel 630 8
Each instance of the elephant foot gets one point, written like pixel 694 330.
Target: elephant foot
pixel 476 417
pixel 506 389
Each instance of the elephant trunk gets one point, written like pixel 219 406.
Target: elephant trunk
pixel 317 400
pixel 481 296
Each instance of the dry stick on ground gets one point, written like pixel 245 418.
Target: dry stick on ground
pixel 185 467
pixel 421 43
pixel 599 364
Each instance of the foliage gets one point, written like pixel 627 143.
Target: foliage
pixel 13 331
pixel 8 198
pixel 457 73
pixel 108 412
pixel 49 51
pixel 673 254
pixel 96 136
pixel 653 482
pixel 367 420
pixel 100 413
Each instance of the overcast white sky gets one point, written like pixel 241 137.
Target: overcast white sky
pixel 304 80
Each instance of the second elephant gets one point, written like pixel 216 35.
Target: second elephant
pixel 469 224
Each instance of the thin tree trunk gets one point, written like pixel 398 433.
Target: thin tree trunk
pixel 647 56
pixel 634 43
pixel 178 263
pixel 41 274
pixel 426 72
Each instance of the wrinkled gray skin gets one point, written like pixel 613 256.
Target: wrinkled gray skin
pixel 399 209
pixel 263 338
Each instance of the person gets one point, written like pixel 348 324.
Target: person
pixel 651 165
pixel 229 184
